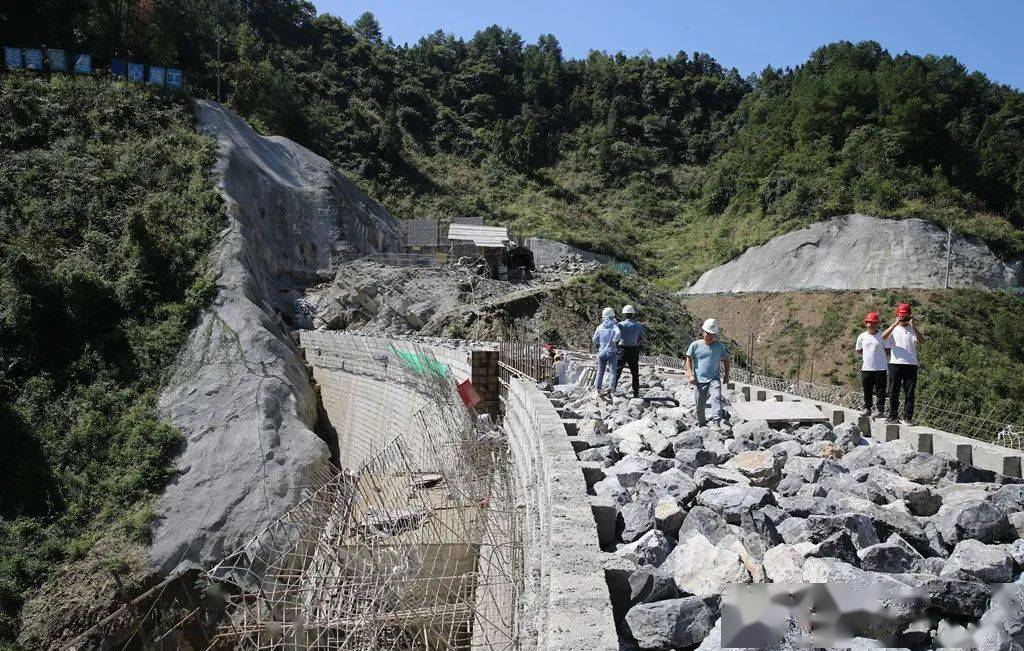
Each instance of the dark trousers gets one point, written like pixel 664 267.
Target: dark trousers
pixel 630 355
pixel 873 383
pixel 902 377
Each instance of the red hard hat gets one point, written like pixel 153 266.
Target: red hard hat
pixel 550 347
pixel 903 309
pixel 872 317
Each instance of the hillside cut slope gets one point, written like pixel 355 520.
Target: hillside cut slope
pixel 860 252
pixel 240 395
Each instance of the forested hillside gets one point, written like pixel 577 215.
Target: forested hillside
pixel 674 163
pixel 107 213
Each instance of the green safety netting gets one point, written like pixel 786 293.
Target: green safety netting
pixel 421 364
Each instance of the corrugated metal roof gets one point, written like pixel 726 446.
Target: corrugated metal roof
pixel 488 237
pixel 421 232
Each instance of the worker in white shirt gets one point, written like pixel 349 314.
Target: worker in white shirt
pixel 902 337
pixel 874 364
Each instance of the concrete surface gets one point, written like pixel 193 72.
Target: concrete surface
pixel 776 412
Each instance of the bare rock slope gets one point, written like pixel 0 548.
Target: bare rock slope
pixel 239 393
pixel 860 252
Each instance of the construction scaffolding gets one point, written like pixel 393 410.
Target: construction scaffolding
pixel 420 547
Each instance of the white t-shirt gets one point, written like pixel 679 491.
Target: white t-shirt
pixel 874 351
pixel 903 344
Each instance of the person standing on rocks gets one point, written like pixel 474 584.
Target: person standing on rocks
pixel 628 341
pixel 704 357
pixel 874 364
pixel 607 351
pixel 902 337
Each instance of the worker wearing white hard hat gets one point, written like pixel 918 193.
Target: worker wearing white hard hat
pixel 607 352
pixel 630 338
pixel 704 359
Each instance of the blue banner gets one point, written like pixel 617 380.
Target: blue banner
pixel 58 61
pixel 33 59
pixel 119 67
pixel 12 57
pixel 156 75
pixel 83 63
pixel 174 79
pixel 136 72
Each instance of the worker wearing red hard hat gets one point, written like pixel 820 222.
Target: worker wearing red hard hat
pixel 873 350
pixel 902 337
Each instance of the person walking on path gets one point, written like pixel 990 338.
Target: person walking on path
pixel 874 364
pixel 607 351
pixel 628 341
pixel 703 359
pixel 902 337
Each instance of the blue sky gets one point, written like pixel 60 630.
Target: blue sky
pixel 985 35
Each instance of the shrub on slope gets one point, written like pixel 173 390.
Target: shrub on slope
pixel 107 215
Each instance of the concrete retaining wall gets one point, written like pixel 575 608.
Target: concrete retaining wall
pixel 565 584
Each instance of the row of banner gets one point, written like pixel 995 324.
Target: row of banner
pixel 16 58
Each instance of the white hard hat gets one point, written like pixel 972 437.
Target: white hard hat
pixel 711 325
pixel 628 310
pixel 608 313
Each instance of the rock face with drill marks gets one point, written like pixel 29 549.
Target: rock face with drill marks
pixel 755 503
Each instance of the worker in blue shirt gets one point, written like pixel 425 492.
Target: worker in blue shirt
pixel 630 337
pixel 704 358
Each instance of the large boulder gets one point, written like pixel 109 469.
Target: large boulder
pixel 784 563
pixel 761 468
pixel 671 624
pixel 704 521
pixel 704 569
pixel 672 483
pixel 1010 498
pixel 732 501
pixel 648 583
pixel 652 548
pixel 714 477
pixel 924 468
pixel 862 530
pixel 635 519
pixel 668 515
pixel 892 556
pixel 990 563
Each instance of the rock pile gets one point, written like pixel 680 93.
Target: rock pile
pixel 686 511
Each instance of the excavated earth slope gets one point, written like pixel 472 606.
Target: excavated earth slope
pixel 240 394
pixel 860 252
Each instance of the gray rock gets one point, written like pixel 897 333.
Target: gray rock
pixel 815 433
pixel 669 428
pixel 800 507
pixel 847 435
pixel 887 522
pixel 888 616
pixel 649 583
pixel 668 516
pixel 794 530
pixel 709 477
pixel 806 468
pixel 658 443
pixel 860 526
pixel 785 449
pixel 650 549
pixel 990 563
pixel 636 519
pixel 591 427
pixel 811 490
pixel 736 446
pixel 671 483
pixel 862 457
pixel 790 486
pixel 984 522
pixel 690 439
pixel 760 522
pixel 670 624
pixel 924 468
pixel 891 557
pixel 1009 498
pixel 957 595
pixel 759 467
pixel 784 563
pixel 704 521
pixel 751 429
pixel 704 569
pixel 602 455
pixel 839 545
pixel 612 487
pixel 732 501
pixel 695 457
pixel 630 469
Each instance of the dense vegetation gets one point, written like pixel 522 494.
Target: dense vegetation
pixel 106 215
pixel 672 163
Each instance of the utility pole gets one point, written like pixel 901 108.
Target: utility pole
pixel 218 68
pixel 949 249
